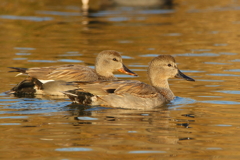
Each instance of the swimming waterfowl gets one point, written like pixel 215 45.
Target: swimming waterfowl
pixel 50 80
pixel 106 63
pixel 130 93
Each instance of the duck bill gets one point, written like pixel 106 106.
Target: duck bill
pixel 125 70
pixel 183 76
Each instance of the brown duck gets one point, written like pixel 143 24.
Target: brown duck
pixel 132 94
pixel 49 80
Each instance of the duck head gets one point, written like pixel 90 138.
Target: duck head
pixel 109 61
pixel 163 67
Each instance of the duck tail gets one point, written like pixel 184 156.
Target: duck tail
pixel 16 69
pixel 79 96
pixel 21 70
pixel 29 86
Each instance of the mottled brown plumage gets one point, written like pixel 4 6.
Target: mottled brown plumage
pixel 132 94
pixel 107 62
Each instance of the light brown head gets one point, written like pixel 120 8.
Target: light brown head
pixel 109 61
pixel 163 67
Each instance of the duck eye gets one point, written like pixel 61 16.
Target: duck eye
pixel 169 65
pixel 114 59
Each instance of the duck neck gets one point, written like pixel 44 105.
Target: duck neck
pixel 103 74
pixel 162 87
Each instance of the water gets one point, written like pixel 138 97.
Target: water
pixel 201 123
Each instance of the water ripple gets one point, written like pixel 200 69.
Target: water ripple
pixel 29 18
pixel 139 152
pixel 24 54
pixel 217 63
pixel 233 70
pixel 24 48
pixel 8 124
pixel 201 50
pixel 87 118
pixel 73 149
pixel 70 60
pixel 59 13
pixel 149 55
pixel 118 19
pixel 14 117
pixel 226 75
pixel 180 101
pixel 34 106
pixel 229 92
pixel 220 102
pixel 45 61
pixel 157 11
pixel 198 54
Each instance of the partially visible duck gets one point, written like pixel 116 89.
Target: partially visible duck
pixel 50 80
pixel 132 94
pixel 30 87
pixel 106 63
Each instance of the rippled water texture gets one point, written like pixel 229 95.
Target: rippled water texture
pixel 203 122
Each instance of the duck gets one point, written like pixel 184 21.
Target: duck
pixel 106 63
pixel 131 94
pixel 50 80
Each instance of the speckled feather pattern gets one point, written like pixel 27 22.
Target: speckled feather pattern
pixel 134 94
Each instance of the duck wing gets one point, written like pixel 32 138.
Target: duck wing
pixel 73 73
pixel 118 87
pixel 62 72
